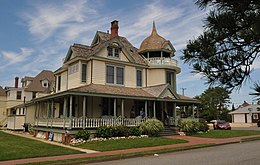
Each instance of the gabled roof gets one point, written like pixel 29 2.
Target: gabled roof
pixel 162 91
pixel 36 85
pixel 245 109
pixel 2 92
pixel 100 41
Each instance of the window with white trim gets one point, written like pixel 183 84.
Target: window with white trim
pixel 255 116
pixel 113 52
pixel 170 77
pixel 114 75
pixel 84 73
pixel 139 78
pixel 73 68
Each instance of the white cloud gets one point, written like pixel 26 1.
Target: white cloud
pixel 45 19
pixel 13 57
pixel 190 78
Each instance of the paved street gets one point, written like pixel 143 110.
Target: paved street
pixel 233 154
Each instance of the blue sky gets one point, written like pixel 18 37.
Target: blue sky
pixel 36 34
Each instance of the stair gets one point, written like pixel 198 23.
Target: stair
pixel 168 131
pixel 3 123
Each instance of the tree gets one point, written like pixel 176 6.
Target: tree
pixel 256 89
pixel 226 50
pixel 213 103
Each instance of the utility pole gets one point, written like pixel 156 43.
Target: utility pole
pixel 183 89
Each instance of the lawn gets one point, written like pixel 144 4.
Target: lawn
pixel 227 133
pixel 121 144
pixel 15 147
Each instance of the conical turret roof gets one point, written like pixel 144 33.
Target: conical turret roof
pixel 153 42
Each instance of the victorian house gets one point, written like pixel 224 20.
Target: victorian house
pixel 112 82
pixel 19 108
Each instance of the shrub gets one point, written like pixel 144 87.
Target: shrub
pixel 134 131
pixel 119 131
pixel 151 127
pixel 190 126
pixel 105 131
pixel 82 134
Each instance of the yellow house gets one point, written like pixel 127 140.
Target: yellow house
pixel 112 82
pixel 3 113
pixel 19 105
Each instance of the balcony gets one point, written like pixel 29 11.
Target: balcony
pixel 162 61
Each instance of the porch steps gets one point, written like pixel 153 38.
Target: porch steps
pixel 168 131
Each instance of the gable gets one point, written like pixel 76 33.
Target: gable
pixel 122 53
pixel 167 94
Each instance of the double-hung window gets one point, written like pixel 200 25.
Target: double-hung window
pixel 59 82
pixel 113 52
pixel 114 75
pixel 169 77
pixel 139 78
pixel 84 73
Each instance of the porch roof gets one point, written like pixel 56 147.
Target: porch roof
pixel 113 90
pixel 122 92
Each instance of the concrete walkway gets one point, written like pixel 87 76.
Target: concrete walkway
pixel 192 141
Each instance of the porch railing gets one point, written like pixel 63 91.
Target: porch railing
pixel 88 123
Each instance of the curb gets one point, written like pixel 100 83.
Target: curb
pixel 125 156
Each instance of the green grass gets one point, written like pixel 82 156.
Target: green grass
pixel 227 133
pixel 15 147
pixel 121 156
pixel 121 144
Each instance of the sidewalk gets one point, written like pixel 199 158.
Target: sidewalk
pixel 192 141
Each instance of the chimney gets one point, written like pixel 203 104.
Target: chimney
pixel 114 28
pixel 16 82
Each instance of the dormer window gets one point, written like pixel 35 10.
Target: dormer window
pixel 113 52
pixel 45 83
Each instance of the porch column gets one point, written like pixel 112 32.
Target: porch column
pixel 115 107
pixel 84 112
pixel 122 108
pixel 193 116
pixel 154 109
pixel 70 112
pixel 37 113
pixel 174 114
pixel 64 112
pixel 52 111
pixel 48 112
pixel 65 108
pixel 145 109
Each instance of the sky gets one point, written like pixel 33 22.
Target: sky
pixel 35 35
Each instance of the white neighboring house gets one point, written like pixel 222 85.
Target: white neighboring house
pixel 246 113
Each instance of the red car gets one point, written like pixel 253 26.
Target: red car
pixel 221 124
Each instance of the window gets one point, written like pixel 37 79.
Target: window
pixel 19 95
pixel 73 68
pixel 110 51
pixel 59 83
pixel 84 73
pixel 169 77
pixel 113 52
pixel 34 95
pixel 255 116
pixel 119 75
pixel 110 74
pixel 115 75
pixel 139 78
